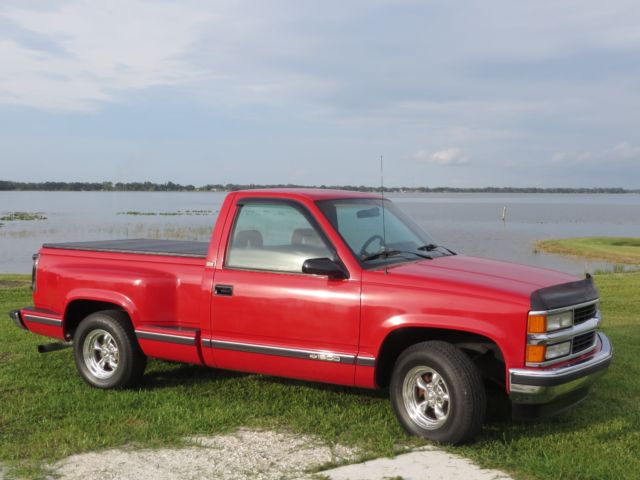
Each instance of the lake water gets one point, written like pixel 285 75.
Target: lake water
pixel 468 223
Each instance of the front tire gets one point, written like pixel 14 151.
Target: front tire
pixel 437 393
pixel 106 351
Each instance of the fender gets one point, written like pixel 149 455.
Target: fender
pixel 99 295
pixel 494 331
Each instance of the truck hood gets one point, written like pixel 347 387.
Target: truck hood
pixel 480 274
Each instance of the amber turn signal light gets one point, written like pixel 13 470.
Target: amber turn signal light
pixel 535 353
pixel 537 324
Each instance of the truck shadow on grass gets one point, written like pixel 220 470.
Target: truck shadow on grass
pixel 191 375
pixel 178 374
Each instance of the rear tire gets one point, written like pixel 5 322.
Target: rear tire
pixel 437 393
pixel 106 351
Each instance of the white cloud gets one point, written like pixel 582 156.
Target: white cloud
pixel 621 153
pixel 448 156
pixel 96 50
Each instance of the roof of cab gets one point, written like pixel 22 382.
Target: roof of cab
pixel 312 194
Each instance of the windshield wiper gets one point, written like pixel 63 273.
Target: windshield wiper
pixel 429 247
pixel 393 253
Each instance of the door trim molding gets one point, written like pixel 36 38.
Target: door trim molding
pixel 317 355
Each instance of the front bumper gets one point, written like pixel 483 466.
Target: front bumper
pixel 536 393
pixel 17 319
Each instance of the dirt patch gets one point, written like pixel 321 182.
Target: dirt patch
pixel 13 283
pixel 254 454
pixel 5 357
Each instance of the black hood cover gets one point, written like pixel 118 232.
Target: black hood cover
pixel 564 295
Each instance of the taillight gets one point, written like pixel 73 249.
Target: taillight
pixel 34 271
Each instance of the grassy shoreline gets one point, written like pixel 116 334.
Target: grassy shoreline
pixel 49 413
pixel 620 250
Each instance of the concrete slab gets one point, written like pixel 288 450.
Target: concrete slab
pixel 425 464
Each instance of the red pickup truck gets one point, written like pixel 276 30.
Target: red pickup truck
pixel 327 286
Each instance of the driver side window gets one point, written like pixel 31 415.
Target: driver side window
pixel 274 237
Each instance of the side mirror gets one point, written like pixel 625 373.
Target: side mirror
pixel 324 266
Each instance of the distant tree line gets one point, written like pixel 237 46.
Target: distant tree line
pixel 6 185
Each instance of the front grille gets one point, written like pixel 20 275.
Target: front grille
pixel 582 314
pixel 583 342
pixel 582 335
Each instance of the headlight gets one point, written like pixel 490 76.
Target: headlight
pixel 559 320
pixel 549 322
pixel 558 350
pixel 541 353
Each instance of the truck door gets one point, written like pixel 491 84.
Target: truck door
pixel 269 317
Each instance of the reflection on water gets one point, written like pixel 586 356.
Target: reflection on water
pixel 468 223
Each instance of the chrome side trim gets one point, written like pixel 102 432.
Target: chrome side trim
pixel 319 355
pixel 165 337
pixel 43 320
pixel 366 361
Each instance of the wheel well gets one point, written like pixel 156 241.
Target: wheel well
pixel 80 309
pixel 483 351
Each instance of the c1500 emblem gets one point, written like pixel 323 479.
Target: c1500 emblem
pixel 327 357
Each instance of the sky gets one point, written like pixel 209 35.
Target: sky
pixel 462 93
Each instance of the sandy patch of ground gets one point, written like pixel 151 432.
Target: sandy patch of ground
pixel 260 455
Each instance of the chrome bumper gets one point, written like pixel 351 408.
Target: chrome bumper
pixel 528 386
pixel 17 319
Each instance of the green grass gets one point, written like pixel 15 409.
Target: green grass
pixel 624 250
pixel 25 216
pixel 47 412
pixel 168 214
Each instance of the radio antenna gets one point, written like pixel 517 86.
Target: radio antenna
pixel 384 229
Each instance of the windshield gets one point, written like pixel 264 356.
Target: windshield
pixel 360 223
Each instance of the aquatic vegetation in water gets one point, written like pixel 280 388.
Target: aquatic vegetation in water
pixel 10 217
pixel 179 212
pixel 616 268
pixel 131 230
pixel 617 250
pixel 173 233
pixel 136 213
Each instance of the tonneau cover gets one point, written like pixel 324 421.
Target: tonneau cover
pixel 146 246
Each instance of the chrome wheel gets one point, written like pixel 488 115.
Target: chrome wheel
pixel 426 397
pixel 100 353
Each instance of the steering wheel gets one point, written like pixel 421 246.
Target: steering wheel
pixel 370 240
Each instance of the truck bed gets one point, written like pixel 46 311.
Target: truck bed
pixel 145 246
